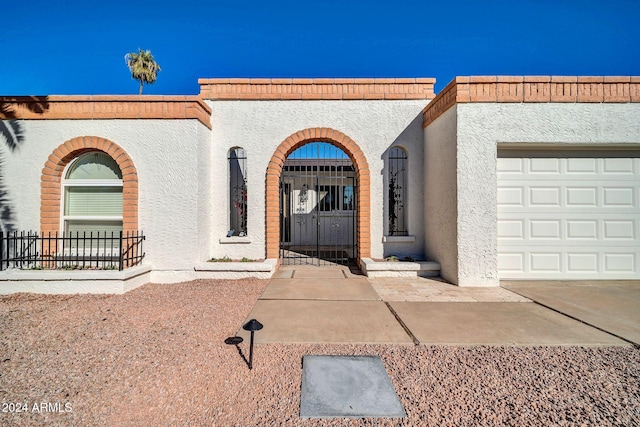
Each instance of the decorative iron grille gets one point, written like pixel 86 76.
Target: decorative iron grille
pixel 238 192
pixel 71 251
pixel 397 192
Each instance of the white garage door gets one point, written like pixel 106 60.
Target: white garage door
pixel 568 215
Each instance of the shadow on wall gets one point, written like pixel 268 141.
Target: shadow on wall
pixel 398 191
pixel 11 138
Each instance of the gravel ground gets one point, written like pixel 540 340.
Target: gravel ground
pixel 156 356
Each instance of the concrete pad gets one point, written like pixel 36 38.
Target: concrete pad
pixel 416 289
pixel 496 323
pixel 305 321
pixel 282 274
pixel 430 289
pixel 319 273
pixel 613 306
pixel 494 294
pixel 347 387
pixel 343 289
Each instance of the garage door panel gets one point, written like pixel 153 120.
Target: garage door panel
pixel 544 196
pixel 544 229
pixel 586 262
pixel 512 262
pixel 580 229
pixel 546 262
pixel 580 197
pixel 510 196
pixel 547 227
pixel 621 262
pixel 619 229
pixel 525 194
pixel 618 197
pixel 619 166
pixel 511 229
pixel 582 166
pixel 534 261
pixel 569 217
pixel 544 166
pixel 600 167
pixel 511 166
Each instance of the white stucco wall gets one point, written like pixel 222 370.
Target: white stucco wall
pixel 260 126
pixel 183 172
pixel 205 202
pixel 173 160
pixel 440 202
pixel 482 127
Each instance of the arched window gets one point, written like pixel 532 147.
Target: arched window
pixel 92 189
pixel 397 192
pixel 237 192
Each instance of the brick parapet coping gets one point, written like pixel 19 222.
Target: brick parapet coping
pixel 317 89
pixel 80 107
pixel 534 89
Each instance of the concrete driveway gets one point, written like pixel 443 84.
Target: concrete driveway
pixel 334 305
pixel 611 306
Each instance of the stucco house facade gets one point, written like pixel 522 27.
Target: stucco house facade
pixel 495 177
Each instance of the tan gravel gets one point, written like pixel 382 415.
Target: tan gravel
pixel 156 357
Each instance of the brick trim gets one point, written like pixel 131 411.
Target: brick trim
pixel 521 89
pixel 51 186
pixel 272 193
pixel 107 107
pixel 317 89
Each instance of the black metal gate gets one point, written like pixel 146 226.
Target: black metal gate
pixel 318 207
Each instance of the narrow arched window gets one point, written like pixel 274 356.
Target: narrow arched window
pixel 397 192
pixel 92 191
pixel 237 192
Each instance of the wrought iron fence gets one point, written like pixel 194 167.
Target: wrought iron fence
pixel 71 251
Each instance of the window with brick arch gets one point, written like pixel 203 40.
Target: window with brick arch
pixel 237 192
pixel 92 195
pixel 397 192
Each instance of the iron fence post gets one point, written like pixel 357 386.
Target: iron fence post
pixel 120 258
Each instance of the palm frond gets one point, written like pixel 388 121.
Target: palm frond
pixel 10 129
pixel 38 104
pixel 7 216
pixel 143 66
pixel 13 134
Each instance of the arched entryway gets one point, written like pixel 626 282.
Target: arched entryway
pixel 318 207
pixel 361 181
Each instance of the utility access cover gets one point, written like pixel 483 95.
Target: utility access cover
pixel 347 387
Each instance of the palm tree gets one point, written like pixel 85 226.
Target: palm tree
pixel 142 66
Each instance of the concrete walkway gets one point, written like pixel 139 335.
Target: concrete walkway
pixel 333 305
pixel 324 305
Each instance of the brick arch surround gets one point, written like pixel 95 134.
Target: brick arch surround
pixel 50 183
pixel 274 170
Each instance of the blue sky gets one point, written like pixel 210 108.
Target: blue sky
pixel 77 47
pixel 316 150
